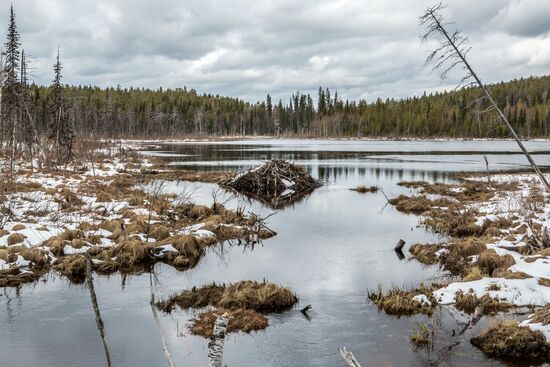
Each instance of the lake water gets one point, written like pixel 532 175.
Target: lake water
pixel 331 248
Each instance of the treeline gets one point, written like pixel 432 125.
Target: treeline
pixel 118 112
pixel 61 112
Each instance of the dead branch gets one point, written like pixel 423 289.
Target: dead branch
pixel 98 320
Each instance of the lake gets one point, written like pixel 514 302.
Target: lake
pixel 331 248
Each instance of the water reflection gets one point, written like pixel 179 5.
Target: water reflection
pixel 330 248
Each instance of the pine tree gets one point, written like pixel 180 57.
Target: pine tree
pixel 59 128
pixel 10 95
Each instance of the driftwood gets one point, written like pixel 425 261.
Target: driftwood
pixel 98 320
pixel 399 245
pixel 167 354
pixel 215 346
pixel 348 357
pixel 276 183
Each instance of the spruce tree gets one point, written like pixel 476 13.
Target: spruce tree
pixel 59 129
pixel 10 92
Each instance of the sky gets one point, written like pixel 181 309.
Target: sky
pixel 247 48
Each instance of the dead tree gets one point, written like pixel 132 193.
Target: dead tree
pixel 451 53
pixel 98 319
pixel 215 346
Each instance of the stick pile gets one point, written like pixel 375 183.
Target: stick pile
pixel 272 180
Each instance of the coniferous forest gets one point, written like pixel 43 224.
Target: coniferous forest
pixel 61 112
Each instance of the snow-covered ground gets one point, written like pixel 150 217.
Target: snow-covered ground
pixel 528 207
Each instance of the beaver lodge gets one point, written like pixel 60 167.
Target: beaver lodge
pixel 276 183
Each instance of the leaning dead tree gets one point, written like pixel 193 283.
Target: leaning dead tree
pixel 98 319
pixel 451 53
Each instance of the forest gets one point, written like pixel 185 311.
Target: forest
pixel 60 112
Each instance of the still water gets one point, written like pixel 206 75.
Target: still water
pixel 331 248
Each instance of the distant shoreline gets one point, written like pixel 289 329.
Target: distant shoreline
pixel 198 139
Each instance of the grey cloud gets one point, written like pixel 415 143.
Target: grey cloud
pixel 246 48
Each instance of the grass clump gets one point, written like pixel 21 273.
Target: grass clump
pixel 239 320
pixel 426 254
pixel 541 316
pixel 401 302
pixel 362 189
pixel 207 295
pixel 422 336
pixel 245 303
pixel 468 302
pixel 508 340
pixel 246 294
pixel 489 261
pixel 18 227
pixel 16 238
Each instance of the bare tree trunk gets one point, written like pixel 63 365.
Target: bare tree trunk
pixel 98 320
pixel 157 322
pixel 215 346
pixel 455 41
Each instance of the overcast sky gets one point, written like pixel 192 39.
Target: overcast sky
pixel 248 48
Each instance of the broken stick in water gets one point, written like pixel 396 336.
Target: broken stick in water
pixel 98 320
pixel 399 245
pixel 215 346
pixel 349 357
pixel 157 321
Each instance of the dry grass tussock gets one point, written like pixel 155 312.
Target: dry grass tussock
pixel 489 261
pixel 400 302
pixel 507 340
pixel 16 238
pixel 542 315
pixel 365 189
pixel 246 294
pixel 422 336
pixel 417 204
pixel 468 302
pixel 245 303
pixel 239 320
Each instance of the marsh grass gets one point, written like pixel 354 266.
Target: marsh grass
pixel 468 302
pixel 400 302
pixel 508 340
pixel 365 189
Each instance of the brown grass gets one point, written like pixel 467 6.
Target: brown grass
pixel 468 302
pixel 400 302
pixel 132 251
pixel 4 232
pixel 16 238
pixel 159 232
pixel 508 340
pixel 239 320
pixel 425 253
pixel 261 297
pixel 422 336
pixel 416 204
pixel 246 294
pixel 542 315
pixel 15 278
pixel 73 267
pixel 507 274
pixel 18 227
pixel 207 295
pixel 365 189
pixel 488 261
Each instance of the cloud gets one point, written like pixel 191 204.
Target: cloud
pixel 247 48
